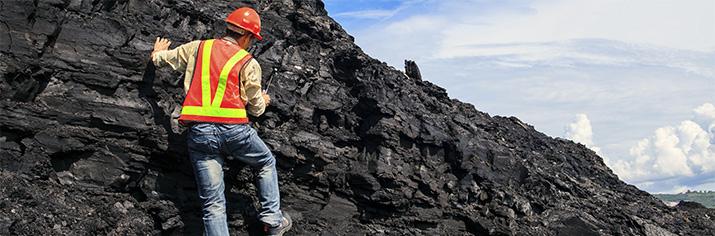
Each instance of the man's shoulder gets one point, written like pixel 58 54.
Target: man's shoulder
pixel 194 43
pixel 190 46
pixel 253 62
pixel 252 65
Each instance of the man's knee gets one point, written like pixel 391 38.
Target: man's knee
pixel 266 160
pixel 214 209
pixel 210 178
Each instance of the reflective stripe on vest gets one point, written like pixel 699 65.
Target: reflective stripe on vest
pixel 212 107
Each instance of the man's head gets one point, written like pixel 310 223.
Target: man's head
pixel 244 24
pixel 243 38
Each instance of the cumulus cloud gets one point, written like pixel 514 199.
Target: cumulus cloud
pixel 683 155
pixel 580 131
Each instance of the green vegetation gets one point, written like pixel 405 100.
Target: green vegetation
pixel 707 198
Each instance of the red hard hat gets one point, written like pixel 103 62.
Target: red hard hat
pixel 246 18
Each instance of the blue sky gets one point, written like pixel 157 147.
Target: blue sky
pixel 632 79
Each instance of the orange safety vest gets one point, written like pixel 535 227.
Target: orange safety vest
pixel 214 95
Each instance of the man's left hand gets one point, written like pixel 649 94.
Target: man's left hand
pixel 266 97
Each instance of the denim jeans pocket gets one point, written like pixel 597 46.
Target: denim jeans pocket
pixel 238 133
pixel 202 143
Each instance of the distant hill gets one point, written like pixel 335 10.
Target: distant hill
pixel 707 198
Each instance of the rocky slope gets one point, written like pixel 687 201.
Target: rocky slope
pixel 88 146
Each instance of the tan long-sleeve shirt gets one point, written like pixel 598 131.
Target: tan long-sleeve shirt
pixel 183 57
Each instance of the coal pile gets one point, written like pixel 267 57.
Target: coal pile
pixel 88 145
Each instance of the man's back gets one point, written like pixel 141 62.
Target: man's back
pixel 183 58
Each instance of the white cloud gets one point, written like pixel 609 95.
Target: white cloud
pixel 368 14
pixel 573 53
pixel 377 10
pixel 539 28
pixel 675 24
pixel 580 131
pixel 704 115
pixel 682 155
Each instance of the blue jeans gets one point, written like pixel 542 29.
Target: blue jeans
pixel 208 144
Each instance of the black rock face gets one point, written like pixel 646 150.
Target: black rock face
pixel 88 146
pixel 412 71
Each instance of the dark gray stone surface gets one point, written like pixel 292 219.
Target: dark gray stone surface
pixel 412 70
pixel 87 145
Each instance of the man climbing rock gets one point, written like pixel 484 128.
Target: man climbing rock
pixel 223 85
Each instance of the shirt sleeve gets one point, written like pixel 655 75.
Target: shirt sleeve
pixel 178 57
pixel 251 82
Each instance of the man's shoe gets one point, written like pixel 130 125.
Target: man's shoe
pixel 280 229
